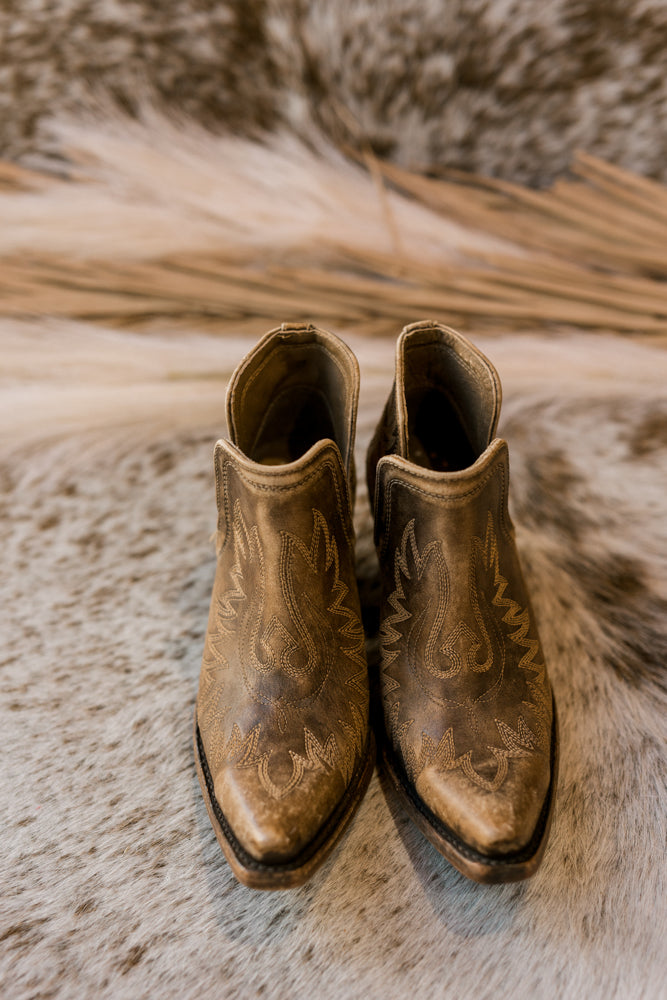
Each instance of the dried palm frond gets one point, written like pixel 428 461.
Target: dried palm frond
pixel 150 224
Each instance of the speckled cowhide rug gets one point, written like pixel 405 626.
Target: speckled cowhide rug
pixel 506 87
pixel 113 885
pixel 112 882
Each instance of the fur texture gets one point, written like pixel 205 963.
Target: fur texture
pixel 503 87
pixel 112 882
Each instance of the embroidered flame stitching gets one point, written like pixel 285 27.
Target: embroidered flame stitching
pixel 516 743
pixel 243 750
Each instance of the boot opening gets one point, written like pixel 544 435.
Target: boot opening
pixel 437 437
pixel 296 390
pixel 451 397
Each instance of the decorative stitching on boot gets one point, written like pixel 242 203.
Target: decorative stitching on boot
pixel 303 645
pixel 436 658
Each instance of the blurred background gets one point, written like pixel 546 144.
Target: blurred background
pixel 508 88
pixel 495 160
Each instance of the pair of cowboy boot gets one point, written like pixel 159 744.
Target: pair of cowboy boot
pixel 283 745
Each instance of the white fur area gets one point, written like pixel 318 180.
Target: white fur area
pixel 113 885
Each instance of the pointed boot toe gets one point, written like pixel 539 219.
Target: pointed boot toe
pixel 494 822
pixel 276 831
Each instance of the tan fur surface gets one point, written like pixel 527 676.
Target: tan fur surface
pixel 112 882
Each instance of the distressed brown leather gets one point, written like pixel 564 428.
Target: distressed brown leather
pixel 466 697
pixel 282 707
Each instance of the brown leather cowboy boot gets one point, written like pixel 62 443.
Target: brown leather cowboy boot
pixel 470 734
pixel 282 741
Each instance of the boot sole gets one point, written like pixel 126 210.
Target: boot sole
pixel 289 874
pixel 485 868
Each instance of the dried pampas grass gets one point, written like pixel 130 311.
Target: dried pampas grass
pixel 150 221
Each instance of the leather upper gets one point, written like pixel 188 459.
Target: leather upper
pixel 283 698
pixel 467 701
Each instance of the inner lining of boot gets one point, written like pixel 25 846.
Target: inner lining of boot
pixel 437 435
pixel 298 396
pixel 296 419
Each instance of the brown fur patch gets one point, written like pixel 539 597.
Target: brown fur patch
pixel 649 435
pixel 631 617
pixel 547 498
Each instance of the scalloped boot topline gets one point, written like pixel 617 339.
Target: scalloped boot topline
pixel 470 738
pixel 282 741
